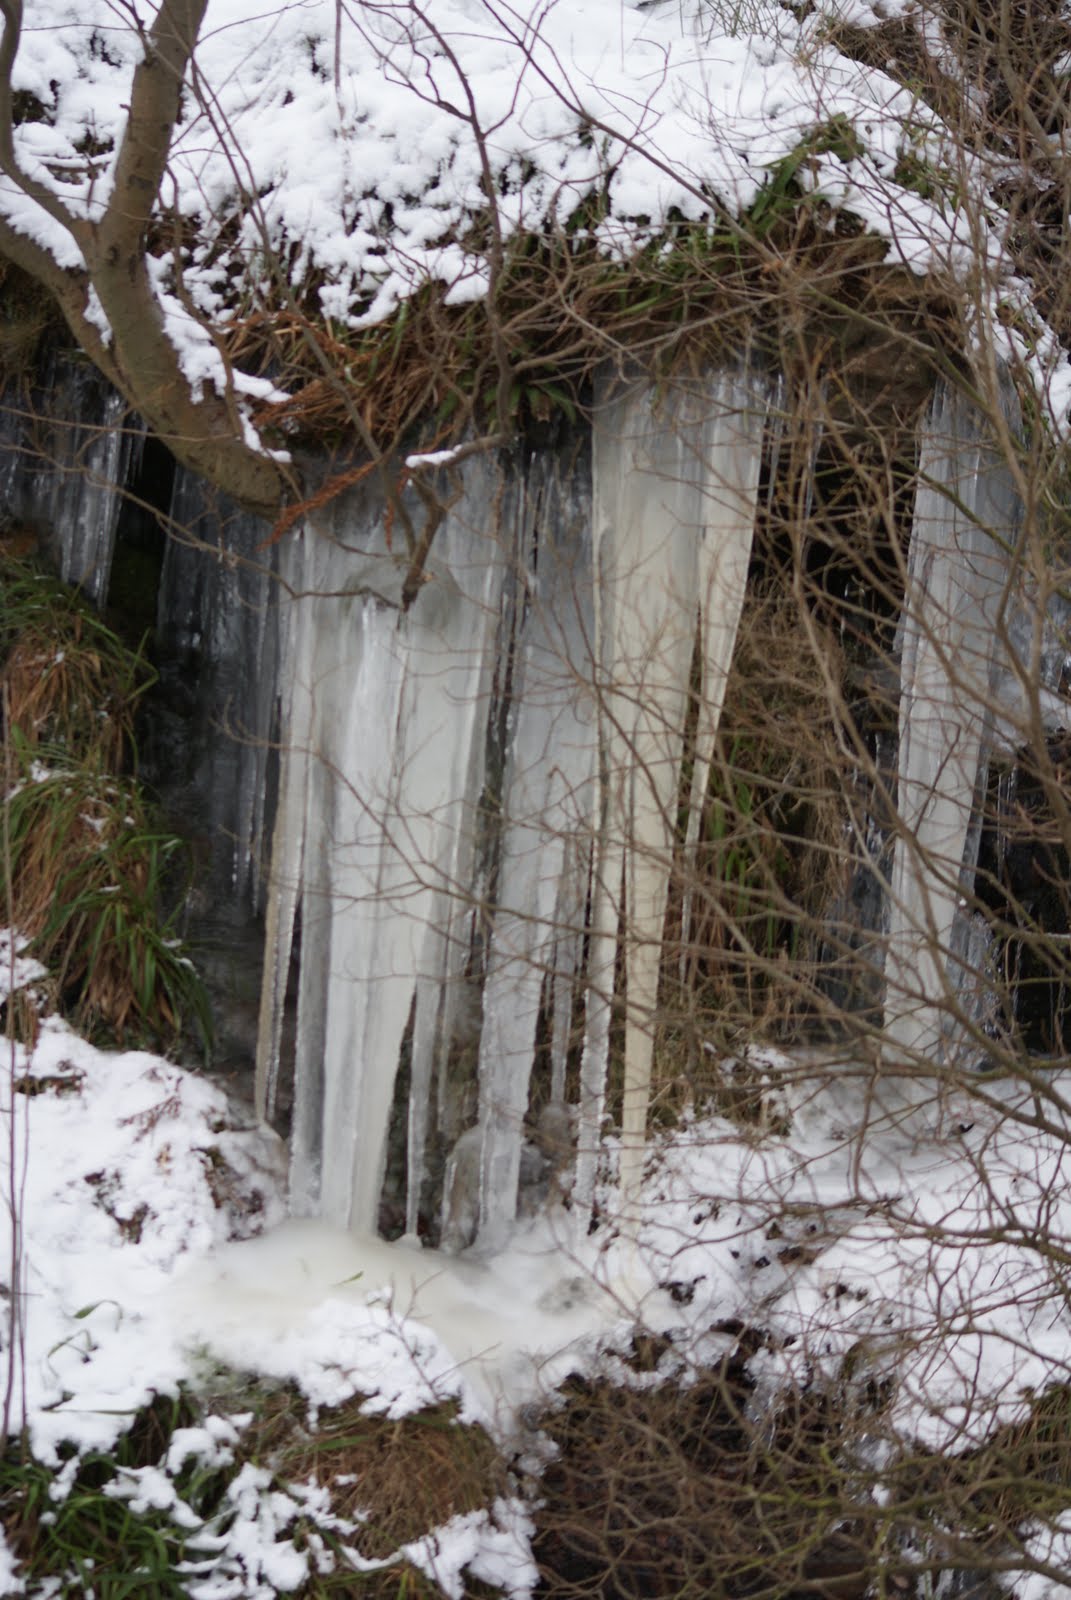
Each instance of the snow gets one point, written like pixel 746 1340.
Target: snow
pixel 115 1179
pixel 117 1173
pixel 936 1254
pixel 357 144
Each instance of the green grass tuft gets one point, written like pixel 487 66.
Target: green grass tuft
pixel 88 869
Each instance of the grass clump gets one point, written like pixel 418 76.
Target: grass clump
pixel 89 872
pixel 68 682
pixel 72 1533
pixel 87 868
pixel 398 1479
pixel 167 1514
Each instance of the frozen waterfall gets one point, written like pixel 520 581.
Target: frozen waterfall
pixel 427 851
pixel 477 803
pixel 676 480
pixel 65 462
pixel 384 732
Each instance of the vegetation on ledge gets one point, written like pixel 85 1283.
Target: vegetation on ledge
pixel 88 870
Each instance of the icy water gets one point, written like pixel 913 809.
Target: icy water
pixel 506 1329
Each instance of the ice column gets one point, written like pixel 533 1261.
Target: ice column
pixel 546 825
pixel 86 509
pixel 966 512
pixel 675 488
pixel 384 726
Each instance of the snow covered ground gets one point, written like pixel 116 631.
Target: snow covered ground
pixel 153 1240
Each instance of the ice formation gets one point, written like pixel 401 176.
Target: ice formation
pixel 954 617
pixel 63 480
pixel 476 801
pixel 675 491
pixel 462 779
pixel 383 739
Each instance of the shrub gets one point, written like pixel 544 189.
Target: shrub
pixel 67 680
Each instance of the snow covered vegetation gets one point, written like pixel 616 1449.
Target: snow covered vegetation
pixel 566 720
pixel 221 194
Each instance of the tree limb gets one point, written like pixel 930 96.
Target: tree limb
pixel 203 430
pixel 155 107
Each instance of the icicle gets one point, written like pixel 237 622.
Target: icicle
pixel 664 475
pixel 546 809
pixel 568 945
pixel 288 844
pixel 68 468
pixel 429 994
pixel 965 511
pixel 607 877
pixel 64 460
pixel 395 707
pixel 735 444
pixel 86 504
pixel 450 927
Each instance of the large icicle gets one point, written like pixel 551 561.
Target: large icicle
pixel 379 786
pixel 88 494
pixel 546 813
pixel 288 841
pixel 966 511
pixel 675 487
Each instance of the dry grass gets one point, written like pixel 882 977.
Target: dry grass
pixel 67 681
pixel 398 1479
pixel 558 311
pixel 88 870
pixel 88 877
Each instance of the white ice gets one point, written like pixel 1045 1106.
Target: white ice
pixel 958 571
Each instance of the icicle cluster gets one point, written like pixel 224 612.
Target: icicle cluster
pixel 478 796
pixel 487 783
pixel 955 614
